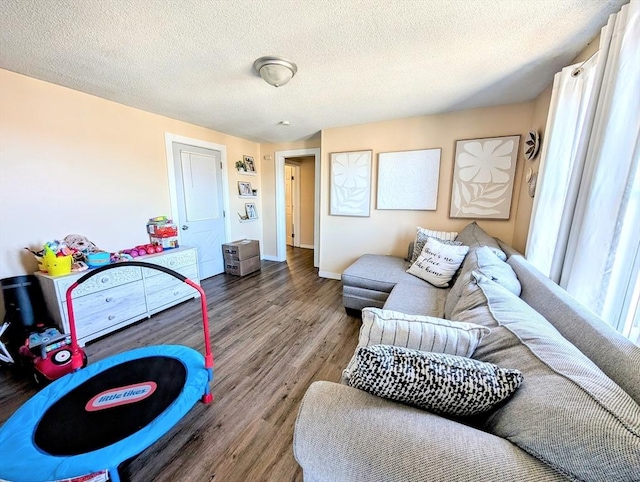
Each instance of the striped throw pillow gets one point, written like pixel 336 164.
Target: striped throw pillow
pixel 425 333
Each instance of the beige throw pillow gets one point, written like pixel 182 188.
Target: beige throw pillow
pixel 438 262
pixel 421 238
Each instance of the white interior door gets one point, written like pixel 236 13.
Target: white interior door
pixel 198 174
pixel 288 192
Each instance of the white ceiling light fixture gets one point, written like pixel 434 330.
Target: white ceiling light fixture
pixel 275 71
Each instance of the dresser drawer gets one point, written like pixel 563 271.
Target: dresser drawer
pixel 164 280
pixel 103 281
pixel 173 260
pixel 168 296
pixel 97 311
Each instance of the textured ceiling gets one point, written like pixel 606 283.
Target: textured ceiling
pixel 358 60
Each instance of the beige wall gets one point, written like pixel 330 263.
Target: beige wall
pixel 344 239
pixel 307 200
pixel 75 163
pixel 268 179
pixel 523 212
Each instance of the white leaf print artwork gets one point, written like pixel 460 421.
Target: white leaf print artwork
pixel 350 183
pixel 486 162
pixel 483 177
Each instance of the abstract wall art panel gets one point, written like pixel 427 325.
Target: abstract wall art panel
pixel 483 175
pixel 350 183
pixel 408 180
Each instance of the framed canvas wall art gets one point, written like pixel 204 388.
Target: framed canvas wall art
pixel 408 180
pixel 350 183
pixel 483 175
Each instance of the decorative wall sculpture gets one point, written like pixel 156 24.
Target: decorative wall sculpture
pixel 350 183
pixel 483 174
pixel 408 179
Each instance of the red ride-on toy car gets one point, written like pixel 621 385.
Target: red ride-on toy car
pixel 49 352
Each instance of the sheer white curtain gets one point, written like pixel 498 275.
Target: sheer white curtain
pixel 585 228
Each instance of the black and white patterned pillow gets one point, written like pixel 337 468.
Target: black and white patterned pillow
pixel 440 383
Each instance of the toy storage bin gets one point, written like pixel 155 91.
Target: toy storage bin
pixel 241 250
pixel 42 263
pixel 59 265
pixel 95 260
pixel 23 301
pixel 166 242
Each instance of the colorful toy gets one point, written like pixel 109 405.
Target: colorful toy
pixel 49 354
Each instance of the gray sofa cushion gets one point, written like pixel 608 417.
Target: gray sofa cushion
pixel 613 353
pixel 344 434
pixel 474 235
pixel 358 298
pixel 417 299
pixel 567 412
pixel 483 260
pixel 378 272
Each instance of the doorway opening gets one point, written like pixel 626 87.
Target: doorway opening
pixel 309 160
pixel 292 181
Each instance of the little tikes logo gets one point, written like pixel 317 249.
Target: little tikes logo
pixel 121 396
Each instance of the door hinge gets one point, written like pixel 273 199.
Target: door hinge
pixel 293 235
pixel 220 164
pixel 224 214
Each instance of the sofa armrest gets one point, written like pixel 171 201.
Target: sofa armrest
pixel 342 433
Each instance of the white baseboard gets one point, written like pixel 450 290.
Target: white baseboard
pixel 307 246
pixel 329 274
pixel 269 258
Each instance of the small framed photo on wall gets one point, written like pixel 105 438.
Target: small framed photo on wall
pixel 252 212
pixel 244 188
pixel 250 165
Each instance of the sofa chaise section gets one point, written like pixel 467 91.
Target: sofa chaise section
pixel 381 281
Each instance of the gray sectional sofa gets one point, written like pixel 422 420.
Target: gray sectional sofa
pixel 575 417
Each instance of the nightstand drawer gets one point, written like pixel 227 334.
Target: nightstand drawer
pixel 98 311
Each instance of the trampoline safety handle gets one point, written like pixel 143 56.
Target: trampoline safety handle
pixel 76 354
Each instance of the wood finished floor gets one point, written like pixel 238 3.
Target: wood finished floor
pixel 273 333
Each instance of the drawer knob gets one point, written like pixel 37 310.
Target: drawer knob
pixel 109 299
pixel 111 317
pixel 104 279
pixel 176 293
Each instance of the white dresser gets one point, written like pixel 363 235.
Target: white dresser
pixel 120 296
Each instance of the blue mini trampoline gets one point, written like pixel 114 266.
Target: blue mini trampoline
pixel 96 418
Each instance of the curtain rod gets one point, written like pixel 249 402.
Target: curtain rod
pixel 578 70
